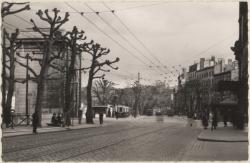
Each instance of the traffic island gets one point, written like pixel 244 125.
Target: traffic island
pixel 224 134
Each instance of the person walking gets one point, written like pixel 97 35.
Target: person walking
pixel 214 121
pixel 79 116
pixel 35 122
pixel 53 119
pixel 225 118
pixel 59 119
pixel 116 115
pixel 205 121
pixel 101 118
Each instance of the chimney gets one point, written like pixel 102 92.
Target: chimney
pixel 213 58
pixel 212 61
pixel 222 65
pixel 202 61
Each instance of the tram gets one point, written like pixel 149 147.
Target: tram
pixel 123 111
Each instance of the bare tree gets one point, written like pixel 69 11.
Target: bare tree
pixel 49 56
pixel 97 52
pixel 7 6
pixel 74 42
pixel 9 52
pixel 102 90
pixel 8 60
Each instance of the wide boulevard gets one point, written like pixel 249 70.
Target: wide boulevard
pixel 128 139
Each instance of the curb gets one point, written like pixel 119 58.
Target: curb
pixel 217 140
pixel 64 129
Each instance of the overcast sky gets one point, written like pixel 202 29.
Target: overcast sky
pixel 175 33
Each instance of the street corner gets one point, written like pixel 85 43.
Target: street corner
pixel 223 135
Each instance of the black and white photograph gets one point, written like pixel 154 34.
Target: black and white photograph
pixel 124 80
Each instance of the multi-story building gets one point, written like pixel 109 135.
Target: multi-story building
pixel 199 90
pixel 25 93
pixel 180 94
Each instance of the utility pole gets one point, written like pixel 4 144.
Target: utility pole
pixel 80 81
pixel 27 89
pixel 139 78
pixel 137 94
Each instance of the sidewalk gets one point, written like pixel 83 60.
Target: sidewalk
pixel 27 130
pixel 224 134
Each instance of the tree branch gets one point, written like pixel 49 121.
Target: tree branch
pixel 6 10
pixel 98 77
pixel 30 69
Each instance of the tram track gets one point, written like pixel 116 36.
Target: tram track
pixel 45 142
pixel 116 143
pixel 25 158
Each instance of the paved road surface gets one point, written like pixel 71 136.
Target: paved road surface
pixel 144 139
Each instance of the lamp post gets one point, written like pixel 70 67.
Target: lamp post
pixel 27 90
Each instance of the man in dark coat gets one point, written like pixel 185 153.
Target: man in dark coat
pixel 214 121
pixel 101 118
pixel 35 121
pixel 79 116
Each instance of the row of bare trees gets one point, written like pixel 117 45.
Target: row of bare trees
pixel 57 48
pixel 139 97
pixel 9 47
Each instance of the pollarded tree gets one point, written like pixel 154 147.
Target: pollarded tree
pixel 9 53
pixel 8 59
pixel 96 52
pixel 74 41
pixel 50 38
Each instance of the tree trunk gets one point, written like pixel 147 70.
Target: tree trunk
pixel 39 98
pixel 68 95
pixel 6 113
pixel 11 85
pixel 41 80
pixel 89 113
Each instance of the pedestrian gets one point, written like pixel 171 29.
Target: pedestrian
pixel 35 122
pixel 205 121
pixel 101 118
pixel 116 115
pixel 53 119
pixel 59 119
pixel 225 120
pixel 214 121
pixel 195 116
pixel 79 116
pixel 109 113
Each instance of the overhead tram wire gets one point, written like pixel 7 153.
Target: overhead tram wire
pixel 115 30
pixel 208 48
pixel 14 27
pixel 108 24
pixel 124 9
pixel 130 31
pixel 19 17
pixel 83 16
pixel 98 28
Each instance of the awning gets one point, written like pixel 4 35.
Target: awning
pixel 228 86
pixel 226 103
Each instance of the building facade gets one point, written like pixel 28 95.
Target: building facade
pixel 54 88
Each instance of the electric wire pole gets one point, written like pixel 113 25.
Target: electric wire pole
pixel 27 90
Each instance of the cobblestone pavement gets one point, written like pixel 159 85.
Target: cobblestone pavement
pixel 142 139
